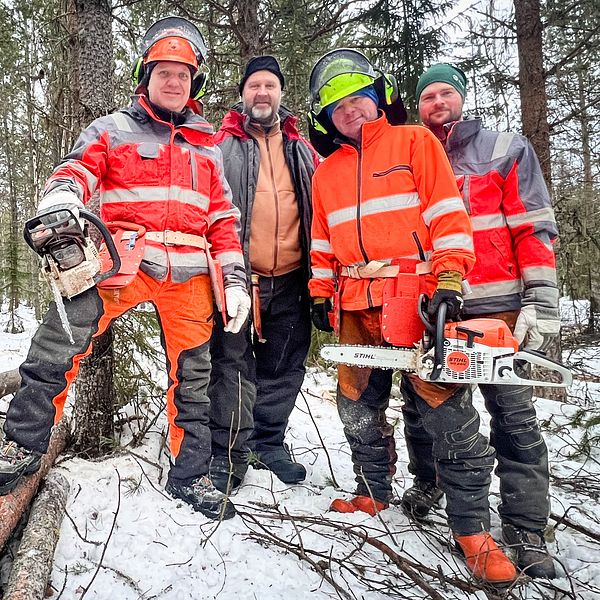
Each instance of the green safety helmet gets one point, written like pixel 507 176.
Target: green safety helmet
pixel 338 74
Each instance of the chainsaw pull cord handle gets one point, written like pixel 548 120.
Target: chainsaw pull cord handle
pixel 110 245
pixel 438 354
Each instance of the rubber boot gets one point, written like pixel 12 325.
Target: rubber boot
pixel 358 503
pixel 484 559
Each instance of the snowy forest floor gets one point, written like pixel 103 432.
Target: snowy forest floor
pixel 125 538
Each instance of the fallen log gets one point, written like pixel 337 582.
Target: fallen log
pixel 9 382
pixel 14 504
pixel 33 563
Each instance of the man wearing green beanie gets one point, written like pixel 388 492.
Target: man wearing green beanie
pixel 514 279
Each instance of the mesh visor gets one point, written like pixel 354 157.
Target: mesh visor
pixel 175 27
pixel 338 74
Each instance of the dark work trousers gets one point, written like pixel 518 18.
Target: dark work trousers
pixel 520 449
pixel 185 314
pixel 232 392
pixel 280 361
pixel 254 384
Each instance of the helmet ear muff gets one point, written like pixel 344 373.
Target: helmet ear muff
pixel 391 88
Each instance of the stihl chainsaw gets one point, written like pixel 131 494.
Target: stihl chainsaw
pixel 70 260
pixel 469 352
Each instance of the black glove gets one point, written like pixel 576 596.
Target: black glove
pixel 453 300
pixel 320 318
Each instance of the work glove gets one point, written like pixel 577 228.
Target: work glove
pixel 320 318
pixel 58 200
pixel 449 290
pixel 237 301
pixel 539 321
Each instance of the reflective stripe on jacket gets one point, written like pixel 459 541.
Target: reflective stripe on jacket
pixel 367 203
pixel 241 157
pixel 513 222
pixel 164 177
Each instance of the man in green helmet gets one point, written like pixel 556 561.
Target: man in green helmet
pixel 386 205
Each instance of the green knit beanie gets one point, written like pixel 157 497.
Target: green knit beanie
pixel 443 73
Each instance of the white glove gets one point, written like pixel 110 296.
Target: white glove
pixel 536 325
pixel 61 199
pixel 238 307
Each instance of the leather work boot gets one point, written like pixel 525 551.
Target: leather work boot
pixel 530 550
pixel 358 503
pixel 226 476
pixel 280 463
pixel 15 463
pixel 203 497
pixel 419 499
pixel 485 560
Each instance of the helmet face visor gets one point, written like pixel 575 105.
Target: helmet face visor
pixel 175 27
pixel 338 74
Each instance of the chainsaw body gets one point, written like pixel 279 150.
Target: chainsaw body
pixel 466 352
pixel 70 260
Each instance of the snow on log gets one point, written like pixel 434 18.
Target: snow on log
pixel 33 563
pixel 13 505
pixel 9 382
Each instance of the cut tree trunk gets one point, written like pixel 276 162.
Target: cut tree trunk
pixel 9 382
pixel 33 563
pixel 14 504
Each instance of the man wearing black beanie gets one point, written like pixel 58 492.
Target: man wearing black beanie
pixel 257 374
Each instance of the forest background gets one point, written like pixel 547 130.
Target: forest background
pixel 532 67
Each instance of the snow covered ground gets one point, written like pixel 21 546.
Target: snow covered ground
pixel 132 541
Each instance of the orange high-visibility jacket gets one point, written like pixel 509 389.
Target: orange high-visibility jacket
pixel 367 203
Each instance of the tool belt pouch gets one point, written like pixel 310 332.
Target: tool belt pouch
pixel 400 321
pixel 130 241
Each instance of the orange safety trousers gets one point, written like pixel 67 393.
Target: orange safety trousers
pixel 185 313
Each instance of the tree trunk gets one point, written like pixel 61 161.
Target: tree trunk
pixel 32 565
pixel 95 396
pixel 534 111
pixel 9 382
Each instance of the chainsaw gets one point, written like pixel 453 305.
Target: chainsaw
pixel 465 352
pixel 70 260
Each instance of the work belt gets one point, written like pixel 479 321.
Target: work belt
pixel 376 268
pixel 177 238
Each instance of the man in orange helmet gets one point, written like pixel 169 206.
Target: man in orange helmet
pixel 155 165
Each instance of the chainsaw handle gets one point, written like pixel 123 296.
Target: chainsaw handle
pixel 438 352
pixel 110 245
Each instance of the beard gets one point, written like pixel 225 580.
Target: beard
pixel 263 116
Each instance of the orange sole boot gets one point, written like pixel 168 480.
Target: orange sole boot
pixel 485 560
pixel 359 503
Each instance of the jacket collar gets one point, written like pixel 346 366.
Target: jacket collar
pixel 461 133
pixel 141 110
pixel 235 123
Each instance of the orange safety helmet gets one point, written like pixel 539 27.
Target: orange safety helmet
pixel 175 49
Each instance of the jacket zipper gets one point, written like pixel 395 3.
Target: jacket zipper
pixel 275 245
pixel 358 223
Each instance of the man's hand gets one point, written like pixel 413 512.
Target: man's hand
pixel 238 307
pixel 320 318
pixel 448 291
pixel 539 321
pixel 61 200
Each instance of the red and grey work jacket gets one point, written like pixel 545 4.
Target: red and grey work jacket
pixel 165 177
pixel 513 222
